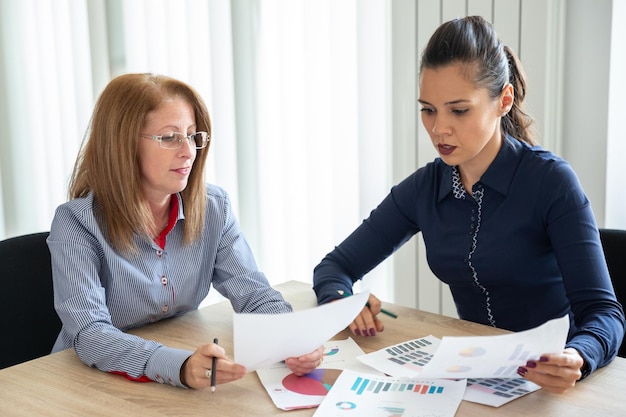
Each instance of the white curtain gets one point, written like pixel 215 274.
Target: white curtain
pixel 323 138
pixel 45 101
pixel 298 91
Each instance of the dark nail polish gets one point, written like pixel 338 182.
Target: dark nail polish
pixel 364 332
pixel 543 359
pixel 372 332
pixel 531 364
pixel 357 332
pixel 521 371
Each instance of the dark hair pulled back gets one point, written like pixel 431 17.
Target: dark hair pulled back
pixel 472 41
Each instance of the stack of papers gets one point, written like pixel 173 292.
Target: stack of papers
pixel 489 363
pixel 425 376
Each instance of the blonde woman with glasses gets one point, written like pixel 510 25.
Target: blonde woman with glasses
pixel 143 238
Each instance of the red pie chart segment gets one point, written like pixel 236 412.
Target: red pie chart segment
pixel 317 382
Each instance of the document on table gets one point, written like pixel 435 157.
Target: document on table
pixel 362 394
pixel 290 392
pixel 261 340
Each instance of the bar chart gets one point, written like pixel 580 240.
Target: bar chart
pixel 367 386
pixel 360 394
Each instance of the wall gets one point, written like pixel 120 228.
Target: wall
pixel 615 213
pixel 585 103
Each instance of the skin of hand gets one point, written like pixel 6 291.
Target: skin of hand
pixel 193 371
pixel 367 322
pixel 304 364
pixel 555 372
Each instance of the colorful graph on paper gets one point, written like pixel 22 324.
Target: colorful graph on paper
pixel 318 382
pixel 357 394
pixel 289 391
pixel 376 386
pixel 405 359
pixel 497 391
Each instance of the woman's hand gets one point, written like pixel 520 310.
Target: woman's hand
pixel 304 364
pixel 366 323
pixel 194 371
pixel 554 372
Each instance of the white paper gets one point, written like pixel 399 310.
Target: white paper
pixel 356 394
pixel 497 391
pixel 495 356
pixel 406 359
pixel 261 340
pixel 290 392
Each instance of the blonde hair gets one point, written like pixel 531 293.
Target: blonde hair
pixel 108 162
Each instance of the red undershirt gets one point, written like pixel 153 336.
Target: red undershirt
pixel 171 222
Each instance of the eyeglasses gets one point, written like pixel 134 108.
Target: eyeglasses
pixel 174 140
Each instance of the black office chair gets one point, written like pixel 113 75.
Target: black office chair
pixel 614 245
pixel 29 325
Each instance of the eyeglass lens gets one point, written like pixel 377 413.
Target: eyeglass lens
pixel 175 140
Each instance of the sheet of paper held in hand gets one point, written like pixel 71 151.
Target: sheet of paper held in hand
pixel 495 356
pixel 478 356
pixel 261 340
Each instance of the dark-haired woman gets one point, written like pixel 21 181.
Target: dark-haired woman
pixel 505 223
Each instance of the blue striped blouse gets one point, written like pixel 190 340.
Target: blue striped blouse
pixel 99 293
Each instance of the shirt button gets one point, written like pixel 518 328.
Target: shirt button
pixel 159 253
pixel 165 308
pixel 164 280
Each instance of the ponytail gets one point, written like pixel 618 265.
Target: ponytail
pixel 517 123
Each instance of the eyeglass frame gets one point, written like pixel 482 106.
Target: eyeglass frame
pixel 206 138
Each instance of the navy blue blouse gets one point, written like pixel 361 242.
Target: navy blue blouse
pixel 522 249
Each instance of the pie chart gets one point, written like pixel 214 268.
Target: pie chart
pixel 332 351
pixel 472 352
pixel 458 368
pixel 317 382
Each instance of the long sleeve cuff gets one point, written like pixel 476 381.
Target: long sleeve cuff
pixel 164 365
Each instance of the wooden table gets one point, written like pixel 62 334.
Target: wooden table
pixel 61 385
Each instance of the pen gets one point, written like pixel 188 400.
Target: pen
pixel 213 369
pixel 382 310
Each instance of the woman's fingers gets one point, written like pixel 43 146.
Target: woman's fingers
pixel 194 372
pixel 554 372
pixel 304 364
pixel 366 323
